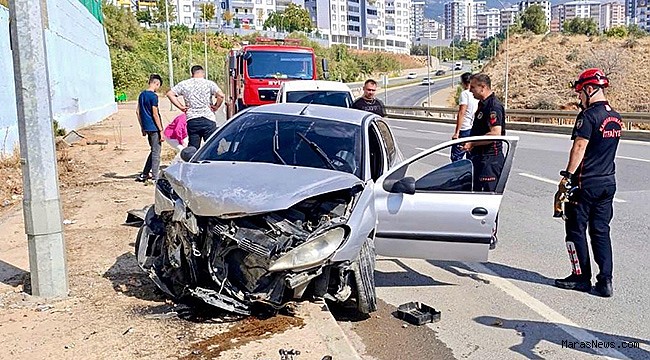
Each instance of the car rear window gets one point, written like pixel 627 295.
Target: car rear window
pixel 332 98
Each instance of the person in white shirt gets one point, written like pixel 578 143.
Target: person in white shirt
pixel 197 93
pixel 467 106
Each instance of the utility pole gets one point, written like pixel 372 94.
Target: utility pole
pixel 169 51
pixel 205 42
pixel 190 62
pixel 428 74
pixel 41 201
pixel 453 62
pixel 505 103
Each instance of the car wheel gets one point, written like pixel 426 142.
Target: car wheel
pixel 364 276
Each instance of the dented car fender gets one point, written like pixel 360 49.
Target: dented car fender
pixel 362 222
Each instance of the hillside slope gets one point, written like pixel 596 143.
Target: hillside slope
pixel 541 68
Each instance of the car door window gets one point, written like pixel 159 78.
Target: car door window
pixel 376 159
pixel 388 139
pixel 435 172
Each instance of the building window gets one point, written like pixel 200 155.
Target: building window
pixel 334 27
pixel 258 1
pixel 269 2
pixel 334 17
pixel 187 8
pixel 353 18
pixel 334 8
pixel 372 12
pixel 187 20
pixel 342 7
pixel 343 18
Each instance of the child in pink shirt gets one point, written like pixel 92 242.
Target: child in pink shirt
pixel 176 132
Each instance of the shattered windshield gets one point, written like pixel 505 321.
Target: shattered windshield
pixel 331 98
pixel 287 139
pixel 279 65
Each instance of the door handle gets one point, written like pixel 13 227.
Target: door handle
pixel 479 211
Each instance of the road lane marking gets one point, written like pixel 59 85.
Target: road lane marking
pixel 539 178
pixel 429 131
pixel 398 127
pixel 633 158
pixel 543 310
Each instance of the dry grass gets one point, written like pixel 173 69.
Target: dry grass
pixel 546 85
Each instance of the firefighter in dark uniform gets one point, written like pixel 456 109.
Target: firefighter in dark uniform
pixel 590 173
pixel 487 156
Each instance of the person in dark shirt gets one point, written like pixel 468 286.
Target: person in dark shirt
pixel 487 156
pixel 151 127
pixel 590 171
pixel 368 102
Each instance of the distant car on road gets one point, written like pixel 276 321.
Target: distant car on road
pixel 458 65
pixel 427 81
pixel 440 72
pixel 412 75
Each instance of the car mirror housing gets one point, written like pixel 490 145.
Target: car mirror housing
pixel 187 153
pixel 404 185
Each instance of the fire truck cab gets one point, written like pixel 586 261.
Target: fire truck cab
pixel 255 72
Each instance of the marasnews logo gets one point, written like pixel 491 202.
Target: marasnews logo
pixel 596 344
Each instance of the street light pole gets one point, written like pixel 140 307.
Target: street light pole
pixel 41 200
pixel 505 103
pixel 453 62
pixel 428 74
pixel 205 43
pixel 169 51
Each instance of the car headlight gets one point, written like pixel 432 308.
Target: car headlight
pixel 312 252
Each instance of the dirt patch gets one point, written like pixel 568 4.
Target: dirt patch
pixel 376 336
pixel 241 333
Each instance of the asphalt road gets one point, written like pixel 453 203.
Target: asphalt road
pixel 508 308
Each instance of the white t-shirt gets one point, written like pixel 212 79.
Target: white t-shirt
pixel 466 98
pixel 197 94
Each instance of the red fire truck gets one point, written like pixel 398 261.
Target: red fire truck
pixel 255 72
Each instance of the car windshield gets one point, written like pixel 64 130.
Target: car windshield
pixel 332 98
pixel 287 139
pixel 279 65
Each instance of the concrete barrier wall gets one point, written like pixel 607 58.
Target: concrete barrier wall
pixel 81 83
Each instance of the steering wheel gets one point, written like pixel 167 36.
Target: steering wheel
pixel 341 164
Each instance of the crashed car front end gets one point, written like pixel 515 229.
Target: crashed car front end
pixel 227 246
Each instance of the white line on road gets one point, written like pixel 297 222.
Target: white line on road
pixel 633 158
pixel 543 310
pixel 398 127
pixel 539 178
pixel 429 131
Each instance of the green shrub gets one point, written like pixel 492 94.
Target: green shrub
pixel 539 61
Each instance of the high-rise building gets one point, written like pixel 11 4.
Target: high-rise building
pixel 488 24
pixel 433 30
pixel 461 18
pixel 612 14
pixel 545 5
pixel 630 11
pixel 642 17
pixel 417 19
pixel 508 17
pixel 583 9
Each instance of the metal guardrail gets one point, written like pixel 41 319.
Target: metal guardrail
pixel 544 121
pixel 556 117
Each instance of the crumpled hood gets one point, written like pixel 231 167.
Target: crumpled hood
pixel 232 189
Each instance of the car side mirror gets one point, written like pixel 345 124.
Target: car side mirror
pixel 402 186
pixel 326 70
pixel 187 153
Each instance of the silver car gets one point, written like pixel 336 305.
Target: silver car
pixel 290 201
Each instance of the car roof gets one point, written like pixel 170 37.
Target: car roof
pixel 302 85
pixel 341 114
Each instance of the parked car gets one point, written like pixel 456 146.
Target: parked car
pixel 427 81
pixel 440 73
pixel 322 92
pixel 412 75
pixel 292 200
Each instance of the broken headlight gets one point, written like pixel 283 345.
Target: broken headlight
pixel 312 252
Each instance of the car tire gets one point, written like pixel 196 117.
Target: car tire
pixel 364 276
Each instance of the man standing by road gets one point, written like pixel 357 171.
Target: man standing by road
pixel 197 93
pixel 590 170
pixel 368 102
pixel 467 106
pixel 487 156
pixel 150 125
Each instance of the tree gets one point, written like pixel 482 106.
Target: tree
pixel 227 16
pixel 580 26
pixel 4 3
pixel 143 17
pixel 121 27
pixel 159 14
pixel 294 18
pixel 471 51
pixel 534 19
pixel 207 11
pixel 635 31
pixel 617 31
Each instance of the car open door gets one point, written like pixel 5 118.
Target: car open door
pixel 428 207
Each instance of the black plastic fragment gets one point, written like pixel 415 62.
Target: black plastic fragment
pixel 417 313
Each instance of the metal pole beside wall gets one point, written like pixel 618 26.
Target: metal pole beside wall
pixel 41 200
pixel 169 51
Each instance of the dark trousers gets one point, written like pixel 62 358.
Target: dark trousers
pixel 153 161
pixel 590 208
pixel 487 171
pixel 199 128
pixel 456 152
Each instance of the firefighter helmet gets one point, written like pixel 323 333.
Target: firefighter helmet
pixel 593 76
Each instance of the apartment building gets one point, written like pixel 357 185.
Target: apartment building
pixel 508 17
pixel 488 24
pixel 433 30
pixel 455 19
pixel 416 29
pixel 575 9
pixel 545 5
pixel 612 14
pixel 642 15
